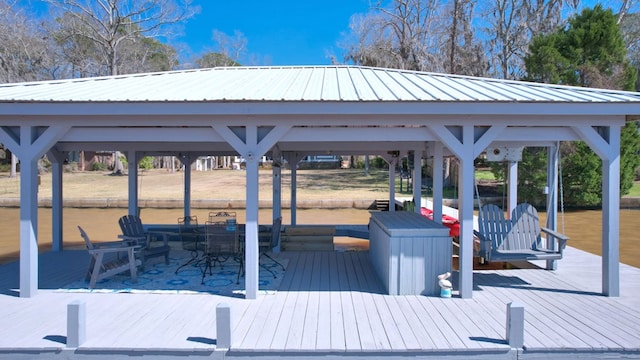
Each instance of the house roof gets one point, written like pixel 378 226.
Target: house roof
pixel 303 83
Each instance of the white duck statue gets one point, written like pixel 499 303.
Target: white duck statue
pixel 445 285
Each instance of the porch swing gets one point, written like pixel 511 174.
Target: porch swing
pixel 519 238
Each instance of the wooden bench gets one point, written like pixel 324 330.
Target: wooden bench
pixel 516 239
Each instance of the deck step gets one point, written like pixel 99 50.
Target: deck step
pixel 380 205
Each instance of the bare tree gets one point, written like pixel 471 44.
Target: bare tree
pixel 227 50
pixel 626 7
pixel 232 47
pixel 108 24
pixel 24 47
pixel 403 34
pixel 466 55
pixel 105 26
pixel 507 39
pixel 544 16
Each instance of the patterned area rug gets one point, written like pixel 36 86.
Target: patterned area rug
pixel 160 278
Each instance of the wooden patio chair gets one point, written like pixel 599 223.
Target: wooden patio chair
pixel 267 246
pixel 528 230
pixel 147 244
pixel 516 239
pixel 105 259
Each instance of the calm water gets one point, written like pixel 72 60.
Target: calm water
pixel 583 227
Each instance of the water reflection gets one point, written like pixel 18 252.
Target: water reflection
pixel 584 227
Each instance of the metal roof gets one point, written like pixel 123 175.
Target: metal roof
pixel 301 83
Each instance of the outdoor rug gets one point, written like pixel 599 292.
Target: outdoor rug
pixel 160 278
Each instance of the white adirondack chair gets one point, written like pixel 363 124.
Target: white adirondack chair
pixel 106 259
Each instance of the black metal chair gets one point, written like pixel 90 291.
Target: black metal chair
pixel 192 238
pixel 267 246
pixel 221 244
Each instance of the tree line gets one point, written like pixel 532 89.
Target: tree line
pixel 552 41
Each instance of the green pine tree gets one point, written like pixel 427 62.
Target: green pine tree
pixel 591 52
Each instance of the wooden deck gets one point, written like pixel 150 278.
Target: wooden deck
pixel 331 303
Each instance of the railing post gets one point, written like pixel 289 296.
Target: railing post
pixel 76 323
pixel 223 326
pixel 515 324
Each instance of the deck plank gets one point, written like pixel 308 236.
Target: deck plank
pixel 332 302
pixel 336 315
pixel 349 308
pixel 310 323
pixel 323 336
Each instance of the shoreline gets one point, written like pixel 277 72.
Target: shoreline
pixel 625 203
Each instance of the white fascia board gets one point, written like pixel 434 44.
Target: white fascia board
pixel 128 134
pixel 169 148
pixel 542 134
pixel 350 148
pixel 372 134
pixel 321 107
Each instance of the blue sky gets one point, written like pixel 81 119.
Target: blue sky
pixel 285 32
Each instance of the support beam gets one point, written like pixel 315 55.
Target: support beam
pixel 276 210
pixel 292 159
pixel 553 161
pixel 251 148
pixel 417 180
pixel 464 148
pixel 132 170
pixel 29 144
pixel 611 216
pixel 28 227
pixel 187 161
pixel 465 212
pixel 393 163
pixel 438 181
pixel 607 145
pixel 251 228
pixel 57 159
pixel 512 191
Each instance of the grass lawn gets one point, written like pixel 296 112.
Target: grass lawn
pixel 635 190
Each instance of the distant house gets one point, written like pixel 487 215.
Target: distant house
pixel 320 162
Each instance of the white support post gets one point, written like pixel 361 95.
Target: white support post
pixel 607 146
pixel 610 215
pixel 294 192
pixel 552 199
pixel 132 170
pixel 29 144
pixel 393 162
pixel 465 211
pixel 76 323
pixel 28 227
pixel 515 324
pixel 57 169
pixel 223 326
pixel 438 181
pixel 512 192
pixel 187 161
pixel 293 159
pixel 277 195
pixel 417 180
pixel 251 228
